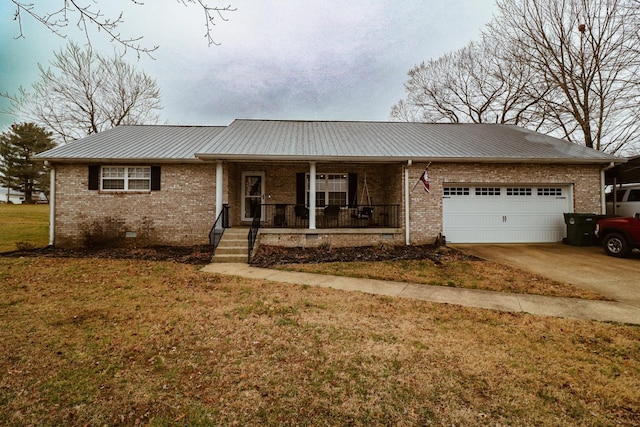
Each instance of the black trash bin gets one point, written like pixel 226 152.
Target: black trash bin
pixel 580 228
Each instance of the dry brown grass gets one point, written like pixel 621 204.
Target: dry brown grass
pixel 455 271
pixel 95 342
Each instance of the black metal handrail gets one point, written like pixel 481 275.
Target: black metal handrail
pixel 281 215
pixel 222 222
pixel 253 231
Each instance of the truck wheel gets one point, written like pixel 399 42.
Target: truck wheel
pixel 616 245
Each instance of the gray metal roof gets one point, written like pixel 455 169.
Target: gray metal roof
pixel 327 140
pixel 137 143
pixel 384 141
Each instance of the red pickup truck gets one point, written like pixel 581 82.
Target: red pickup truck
pixel 619 235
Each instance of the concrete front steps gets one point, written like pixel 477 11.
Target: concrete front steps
pixel 233 246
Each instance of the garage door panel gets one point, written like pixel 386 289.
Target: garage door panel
pixel 528 214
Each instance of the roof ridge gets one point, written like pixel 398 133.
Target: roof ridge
pixel 169 125
pixel 369 122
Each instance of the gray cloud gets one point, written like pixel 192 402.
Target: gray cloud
pixel 279 58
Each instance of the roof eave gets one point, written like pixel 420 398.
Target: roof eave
pixel 112 160
pixel 387 159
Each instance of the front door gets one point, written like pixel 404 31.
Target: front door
pixel 252 194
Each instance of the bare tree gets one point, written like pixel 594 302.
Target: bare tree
pixel 585 51
pixel 85 93
pixel 88 15
pixel 470 85
pixel 565 67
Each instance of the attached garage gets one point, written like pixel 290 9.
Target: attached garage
pixel 484 213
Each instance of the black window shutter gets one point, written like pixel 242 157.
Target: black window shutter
pixel 94 177
pixel 155 178
pixel 353 190
pixel 301 188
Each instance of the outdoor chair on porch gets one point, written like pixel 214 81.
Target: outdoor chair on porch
pixel 280 218
pixel 331 214
pixel 302 213
pixel 364 213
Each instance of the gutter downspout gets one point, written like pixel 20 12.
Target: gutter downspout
pixel 407 231
pixel 52 205
pixel 603 200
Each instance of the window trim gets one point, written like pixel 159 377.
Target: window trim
pixel 550 191
pixel 327 189
pixel 456 190
pixel 488 191
pixel 519 191
pixel 126 187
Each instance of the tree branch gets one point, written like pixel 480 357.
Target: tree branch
pixel 90 16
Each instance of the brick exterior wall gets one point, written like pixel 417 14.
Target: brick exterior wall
pixel 181 213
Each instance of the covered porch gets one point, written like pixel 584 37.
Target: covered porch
pixel 311 195
pixel 313 203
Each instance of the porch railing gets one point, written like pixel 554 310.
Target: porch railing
pixel 297 216
pixel 219 226
pixel 253 232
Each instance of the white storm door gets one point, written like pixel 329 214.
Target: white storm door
pixel 252 194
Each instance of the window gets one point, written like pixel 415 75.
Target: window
pixel 518 191
pixel 455 191
pixel 488 191
pixel 549 191
pixel 124 178
pixel 634 196
pixel 331 189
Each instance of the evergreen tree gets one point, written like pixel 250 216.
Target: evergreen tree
pixel 17 171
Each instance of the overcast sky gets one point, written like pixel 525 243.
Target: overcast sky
pixel 278 59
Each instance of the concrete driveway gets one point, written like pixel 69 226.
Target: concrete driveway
pixel 585 267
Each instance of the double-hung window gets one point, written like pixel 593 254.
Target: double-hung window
pixel 126 178
pixel 331 189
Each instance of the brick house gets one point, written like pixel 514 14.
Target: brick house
pixel 309 183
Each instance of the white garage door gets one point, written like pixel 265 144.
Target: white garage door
pixel 509 214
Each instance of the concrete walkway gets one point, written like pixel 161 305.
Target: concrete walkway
pixel 534 304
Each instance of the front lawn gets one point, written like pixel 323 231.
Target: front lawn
pixel 106 342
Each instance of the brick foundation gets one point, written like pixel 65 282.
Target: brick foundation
pixel 338 238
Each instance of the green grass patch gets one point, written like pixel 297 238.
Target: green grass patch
pixel 23 225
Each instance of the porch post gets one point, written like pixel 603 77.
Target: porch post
pixel 219 171
pixel 312 195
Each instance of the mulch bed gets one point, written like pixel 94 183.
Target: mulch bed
pixel 195 255
pixel 267 256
